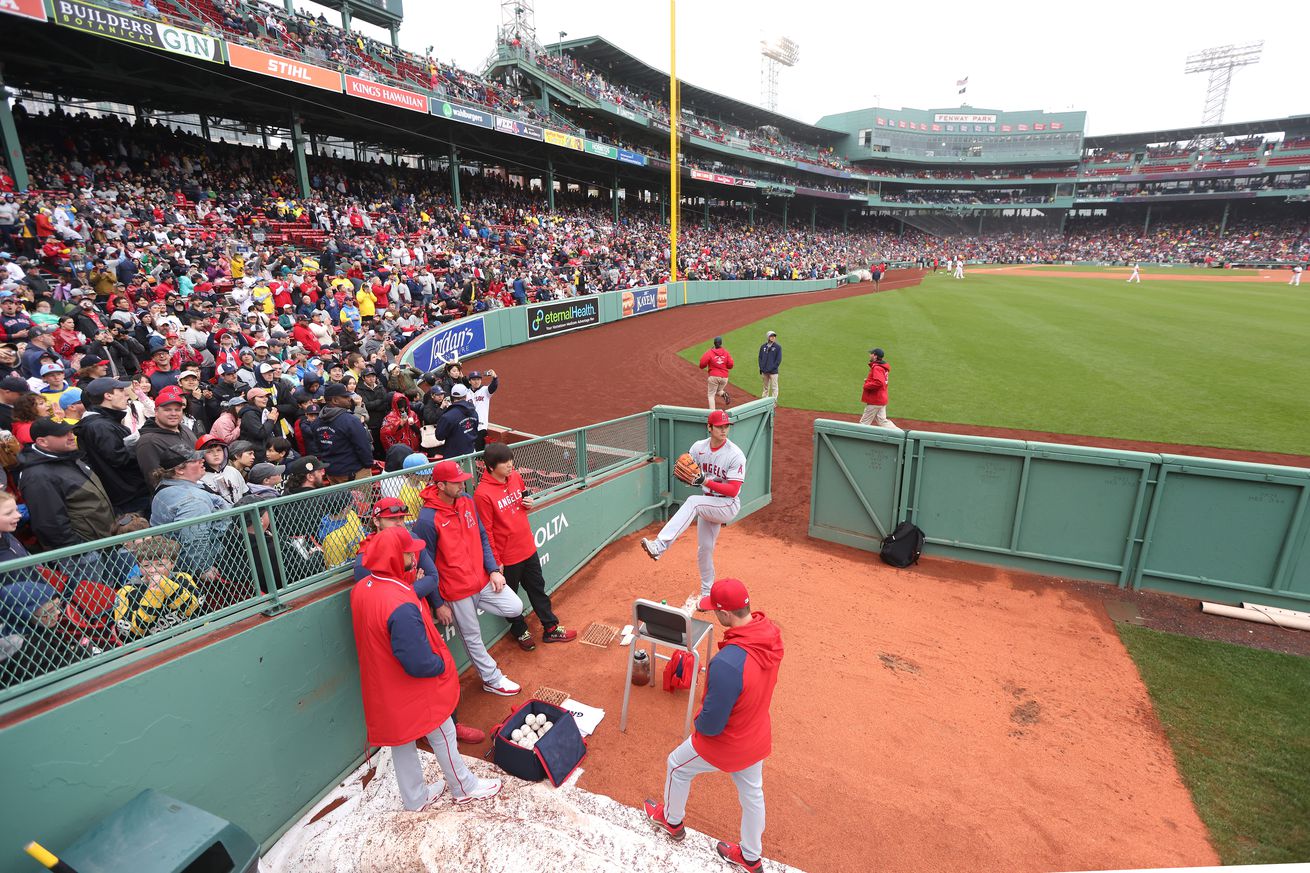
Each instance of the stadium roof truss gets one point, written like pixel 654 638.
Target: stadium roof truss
pixel 602 54
pixel 1296 125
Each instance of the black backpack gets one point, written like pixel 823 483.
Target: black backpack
pixel 903 546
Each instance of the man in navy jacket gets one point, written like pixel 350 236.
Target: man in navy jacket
pixel 344 442
pixel 770 362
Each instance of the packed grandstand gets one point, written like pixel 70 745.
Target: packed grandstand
pixel 234 251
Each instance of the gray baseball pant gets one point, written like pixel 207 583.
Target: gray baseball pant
pixel 504 603
pixel 409 770
pixel 710 514
pixel 684 765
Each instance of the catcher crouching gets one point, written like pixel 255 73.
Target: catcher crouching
pixel 718 467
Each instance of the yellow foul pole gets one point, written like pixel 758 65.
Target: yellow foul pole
pixel 673 140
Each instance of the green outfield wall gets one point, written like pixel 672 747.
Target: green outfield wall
pixel 254 714
pixel 1198 527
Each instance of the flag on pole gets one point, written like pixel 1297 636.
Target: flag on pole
pixel 962 84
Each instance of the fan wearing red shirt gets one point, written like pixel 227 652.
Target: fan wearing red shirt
pixel 408 679
pixel 503 503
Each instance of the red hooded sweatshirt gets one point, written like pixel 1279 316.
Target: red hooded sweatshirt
pixel 875 387
pixel 407 676
pixel 717 361
pixel 457 542
pixel 732 729
pixel 500 506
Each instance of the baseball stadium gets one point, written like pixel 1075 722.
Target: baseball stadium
pixel 416 466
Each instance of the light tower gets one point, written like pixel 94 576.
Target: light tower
pixel 782 51
pixel 518 20
pixel 1220 62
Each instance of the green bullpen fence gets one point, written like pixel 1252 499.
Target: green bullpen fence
pixel 249 708
pixel 1198 527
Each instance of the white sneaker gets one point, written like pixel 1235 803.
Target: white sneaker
pixel 435 790
pixel 648 546
pixel 484 790
pixel 693 601
pixel 504 688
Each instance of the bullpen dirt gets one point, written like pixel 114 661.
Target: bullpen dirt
pixel 948 717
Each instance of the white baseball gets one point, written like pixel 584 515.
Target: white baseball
pixel 547 726
pixel 538 719
pixel 517 734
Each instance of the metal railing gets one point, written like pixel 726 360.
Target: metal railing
pixel 77 609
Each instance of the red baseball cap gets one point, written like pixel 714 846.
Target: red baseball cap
pixel 169 394
pixel 390 507
pixel 449 471
pixel 727 594
pixel 207 439
pixel 718 418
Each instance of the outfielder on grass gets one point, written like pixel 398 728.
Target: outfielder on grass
pixel 719 468
pixel 733 733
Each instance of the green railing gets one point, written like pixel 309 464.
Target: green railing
pixel 130 594
pixel 1197 527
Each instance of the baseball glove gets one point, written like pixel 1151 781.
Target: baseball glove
pixel 688 470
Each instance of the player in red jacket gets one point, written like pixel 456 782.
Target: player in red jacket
pixel 503 503
pixel 875 391
pixel 407 676
pixel 732 733
pixel 718 361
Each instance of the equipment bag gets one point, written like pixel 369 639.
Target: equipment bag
pixel 556 755
pixel 903 546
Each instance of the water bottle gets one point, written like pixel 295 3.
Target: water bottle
pixel 640 668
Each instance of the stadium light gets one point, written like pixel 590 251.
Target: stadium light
pixel 784 52
pixel 1219 62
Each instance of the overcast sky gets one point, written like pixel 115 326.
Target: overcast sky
pixel 1122 64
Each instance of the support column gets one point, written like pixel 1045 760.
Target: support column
pixel 204 126
pixel 550 183
pixel 614 196
pixel 844 214
pixel 980 222
pixel 814 208
pixel 664 213
pixel 707 210
pixel 345 17
pixel 298 150
pixel 395 34
pixel 1147 225
pixel 1223 222
pixel 313 144
pixel 454 176
pixel 752 214
pixel 263 134
pixel 901 230
pixel 13 148
pixel 1064 217
pixel 785 204
pixel 289 6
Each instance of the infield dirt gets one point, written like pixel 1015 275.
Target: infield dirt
pixel 948 717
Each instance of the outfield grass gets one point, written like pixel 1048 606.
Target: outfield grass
pixel 1145 268
pixel 1215 364
pixel 1239 723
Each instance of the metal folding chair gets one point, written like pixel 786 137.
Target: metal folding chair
pixel 663 625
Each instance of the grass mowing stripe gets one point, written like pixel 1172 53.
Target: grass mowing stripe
pixel 1185 362
pixel 1239 723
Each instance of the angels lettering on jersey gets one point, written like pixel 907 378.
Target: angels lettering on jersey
pixel 728 464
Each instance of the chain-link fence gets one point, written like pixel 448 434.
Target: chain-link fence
pixel 66 610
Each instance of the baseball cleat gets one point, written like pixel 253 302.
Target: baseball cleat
pixel 655 812
pixel 503 688
pixel 525 642
pixel 435 790
pixel 649 548
pixel 484 790
pixel 731 852
pixel 692 603
pixel 466 734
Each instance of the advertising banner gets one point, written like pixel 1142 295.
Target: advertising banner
pixel 380 93
pixel 548 319
pixel 461 113
pixel 600 149
pixel 518 128
pixel 566 140
pixel 628 157
pixel 639 301
pixel 282 68
pixel 458 339
pixel 702 175
pixel 141 31
pixel 966 117
pixel 25 8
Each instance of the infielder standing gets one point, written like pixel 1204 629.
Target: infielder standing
pixel 718 361
pixel 733 733
pixel 1296 276
pixel 1136 276
pixel 723 470
pixel 959 268
pixel 469 577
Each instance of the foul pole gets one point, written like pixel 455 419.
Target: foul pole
pixel 673 140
